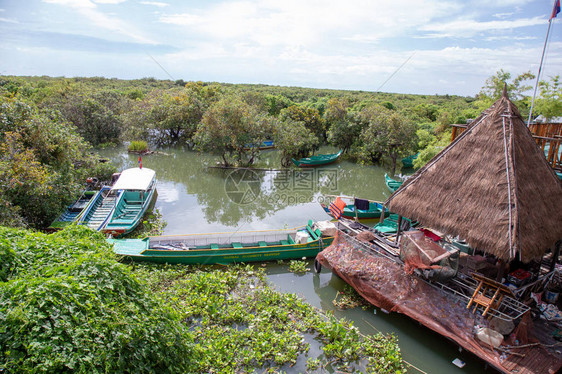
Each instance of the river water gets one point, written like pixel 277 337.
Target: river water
pixel 194 197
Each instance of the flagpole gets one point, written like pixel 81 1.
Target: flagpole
pixel 539 74
pixel 555 11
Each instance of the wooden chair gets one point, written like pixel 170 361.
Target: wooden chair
pixel 488 294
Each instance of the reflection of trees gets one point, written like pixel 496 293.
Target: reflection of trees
pixel 277 189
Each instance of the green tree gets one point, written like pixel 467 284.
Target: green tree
pixel 294 140
pixel 229 128
pixel 494 85
pixel 310 118
pixel 388 134
pixel 549 102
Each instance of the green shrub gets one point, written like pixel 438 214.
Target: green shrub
pixel 138 146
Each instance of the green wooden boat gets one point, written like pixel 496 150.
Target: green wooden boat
pixel 390 224
pixel 225 248
pixel 374 211
pixel 73 211
pixel 408 162
pixel 317 160
pixel 96 214
pixel 135 189
pixel 392 184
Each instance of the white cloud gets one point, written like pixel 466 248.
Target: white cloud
pixel 8 20
pixel 155 3
pixel 89 10
pixel 468 27
pixel 109 1
pixel 294 22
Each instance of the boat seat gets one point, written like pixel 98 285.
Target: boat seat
pixel 284 242
pixel 290 239
pixel 262 244
pixel 214 246
pixel 236 245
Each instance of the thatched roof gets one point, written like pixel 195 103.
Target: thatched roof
pixel 491 186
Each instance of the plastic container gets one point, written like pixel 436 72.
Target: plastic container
pixel 489 336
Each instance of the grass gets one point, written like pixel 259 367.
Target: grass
pixel 138 146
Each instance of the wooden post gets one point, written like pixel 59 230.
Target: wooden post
pixel 355 208
pixel 382 214
pixel 501 270
pixel 399 229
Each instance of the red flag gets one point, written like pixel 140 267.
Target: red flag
pixel 556 9
pixel 140 162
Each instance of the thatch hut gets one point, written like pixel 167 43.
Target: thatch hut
pixel 491 186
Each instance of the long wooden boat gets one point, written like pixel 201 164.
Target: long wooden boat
pixel 225 248
pixel 317 160
pixel 392 184
pixel 374 211
pixel 135 189
pixel 96 214
pixel 73 211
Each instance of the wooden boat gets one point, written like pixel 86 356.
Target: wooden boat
pixel 266 144
pixel 392 184
pixel 136 192
pixel 96 214
pixel 73 211
pixel 408 162
pixel 225 248
pixel 317 160
pixel 374 211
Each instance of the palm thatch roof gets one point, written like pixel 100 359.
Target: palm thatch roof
pixel 491 186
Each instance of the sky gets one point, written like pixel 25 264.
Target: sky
pixel 406 46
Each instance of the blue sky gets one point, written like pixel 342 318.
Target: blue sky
pixel 437 46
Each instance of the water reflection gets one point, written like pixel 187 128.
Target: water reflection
pixel 195 197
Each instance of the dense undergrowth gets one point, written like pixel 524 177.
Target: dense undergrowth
pixel 67 305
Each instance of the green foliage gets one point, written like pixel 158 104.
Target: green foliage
pixel 494 85
pixel 103 171
pixel 549 102
pixel 294 140
pixel 228 129
pixel 42 163
pixel 69 306
pixel 138 146
pixel 296 266
pixel 95 122
pixel 241 324
pixel 387 133
pixel 309 117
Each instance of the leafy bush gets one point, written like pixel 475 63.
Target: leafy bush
pixel 68 306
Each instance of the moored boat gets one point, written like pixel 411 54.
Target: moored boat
pixel 266 144
pixel 73 211
pixel 230 247
pixel 392 184
pixel 352 211
pixel 317 160
pixel 408 162
pixel 97 212
pixel 135 191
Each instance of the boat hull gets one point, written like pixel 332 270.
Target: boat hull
pixel 349 212
pixel 223 248
pixel 317 160
pixel 391 184
pixel 116 229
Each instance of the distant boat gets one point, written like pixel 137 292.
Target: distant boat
pixel 266 144
pixel 392 184
pixel 73 211
pixel 374 211
pixel 96 214
pixel 317 160
pixel 135 193
pixel 408 162
pixel 225 248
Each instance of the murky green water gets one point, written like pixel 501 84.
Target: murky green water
pixel 193 197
